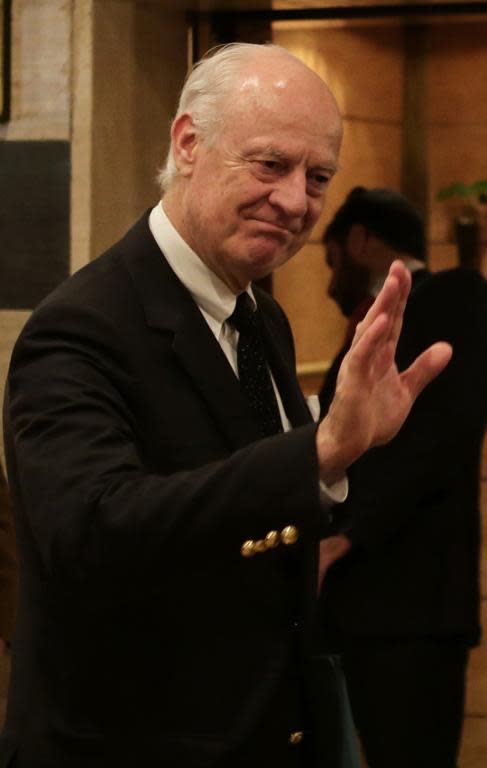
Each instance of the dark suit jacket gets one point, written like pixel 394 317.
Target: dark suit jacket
pixel 413 509
pixel 144 636
pixel 8 563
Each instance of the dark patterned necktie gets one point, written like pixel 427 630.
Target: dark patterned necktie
pixel 253 371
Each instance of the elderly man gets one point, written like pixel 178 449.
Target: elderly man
pixel 168 515
pixel 402 607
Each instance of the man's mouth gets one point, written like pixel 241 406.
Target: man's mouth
pixel 273 228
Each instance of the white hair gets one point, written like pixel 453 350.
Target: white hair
pixel 206 92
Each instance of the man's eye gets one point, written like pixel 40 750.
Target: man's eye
pixel 270 165
pixel 320 179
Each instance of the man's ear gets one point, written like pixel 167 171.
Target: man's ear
pixel 357 243
pixel 185 142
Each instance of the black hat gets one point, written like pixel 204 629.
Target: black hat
pixel 384 213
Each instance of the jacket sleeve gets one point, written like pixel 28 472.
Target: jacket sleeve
pixel 85 495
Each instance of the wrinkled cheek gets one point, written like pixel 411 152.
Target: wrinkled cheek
pixel 313 216
pixel 300 242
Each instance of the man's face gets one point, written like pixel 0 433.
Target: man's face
pixel 253 197
pixel 349 283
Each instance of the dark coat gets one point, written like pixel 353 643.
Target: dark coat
pixel 144 636
pixel 413 509
pixel 8 563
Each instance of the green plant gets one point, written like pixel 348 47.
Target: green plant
pixel 469 222
pixel 473 195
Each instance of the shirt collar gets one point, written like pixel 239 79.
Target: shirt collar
pixel 213 297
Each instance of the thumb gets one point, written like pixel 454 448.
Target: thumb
pixel 427 367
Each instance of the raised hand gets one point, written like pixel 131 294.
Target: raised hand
pixel 372 399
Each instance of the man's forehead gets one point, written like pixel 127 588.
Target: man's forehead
pixel 285 110
pixel 272 77
pixel 277 69
pixel 286 114
pixel 315 151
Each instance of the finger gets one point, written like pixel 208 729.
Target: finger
pixel 395 289
pixel 426 367
pixel 384 304
pixel 369 345
pixel 403 276
pixel 391 300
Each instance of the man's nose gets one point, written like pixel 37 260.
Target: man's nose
pixel 290 195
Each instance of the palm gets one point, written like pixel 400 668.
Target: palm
pixel 372 398
pixel 387 397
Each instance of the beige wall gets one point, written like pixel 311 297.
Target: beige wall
pixel 139 63
pixel 103 75
pixel 41 70
pixel 457 123
pixel 40 104
pixel 129 60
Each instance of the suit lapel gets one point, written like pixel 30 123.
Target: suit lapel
pixel 200 354
pixel 169 307
pixel 284 373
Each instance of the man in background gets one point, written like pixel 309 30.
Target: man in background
pixel 8 587
pixel 400 600
pixel 8 567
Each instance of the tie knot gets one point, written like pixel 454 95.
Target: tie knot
pixel 243 316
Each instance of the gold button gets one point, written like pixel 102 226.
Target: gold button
pixel 296 737
pixel 272 539
pixel 248 548
pixel 289 535
pixel 260 546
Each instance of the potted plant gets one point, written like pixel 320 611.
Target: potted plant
pixel 468 221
